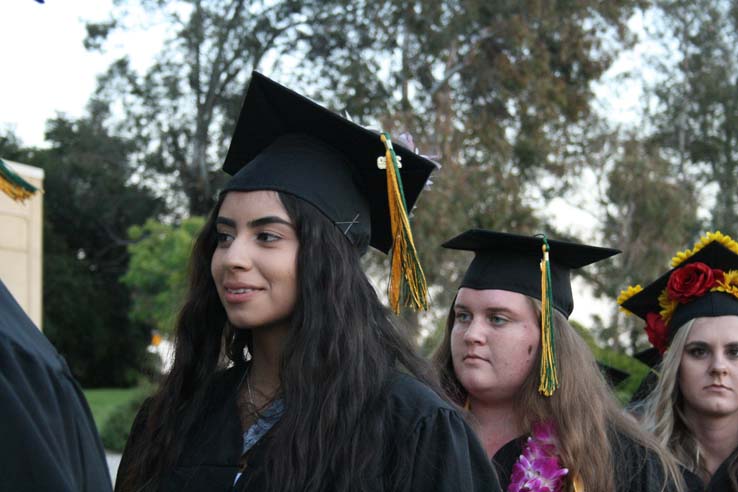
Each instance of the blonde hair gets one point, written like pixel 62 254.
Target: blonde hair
pixel 587 415
pixel 663 410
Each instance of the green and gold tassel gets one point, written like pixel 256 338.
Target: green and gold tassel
pixel 407 282
pixel 13 185
pixel 549 378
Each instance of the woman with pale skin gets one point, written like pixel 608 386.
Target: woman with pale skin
pixel 691 315
pixel 546 417
pixel 289 374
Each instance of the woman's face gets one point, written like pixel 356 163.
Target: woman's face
pixel 254 265
pixel 494 342
pixel 708 371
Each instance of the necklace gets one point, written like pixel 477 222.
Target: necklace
pixel 538 468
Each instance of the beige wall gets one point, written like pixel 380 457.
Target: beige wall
pixel 21 243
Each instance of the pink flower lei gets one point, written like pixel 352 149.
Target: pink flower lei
pixel 538 468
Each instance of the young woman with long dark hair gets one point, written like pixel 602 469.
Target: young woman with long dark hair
pixel 691 315
pixel 289 373
pixel 544 413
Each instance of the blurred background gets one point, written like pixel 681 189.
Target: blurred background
pixel 613 123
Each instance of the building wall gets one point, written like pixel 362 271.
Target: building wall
pixel 21 243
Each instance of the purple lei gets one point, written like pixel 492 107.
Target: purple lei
pixel 538 468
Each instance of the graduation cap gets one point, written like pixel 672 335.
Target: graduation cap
pixel 285 142
pixel 512 262
pixel 702 283
pixel 531 265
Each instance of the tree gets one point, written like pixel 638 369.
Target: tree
pixel 696 119
pixel 649 214
pixel 499 90
pixel 157 272
pixel 182 110
pixel 90 201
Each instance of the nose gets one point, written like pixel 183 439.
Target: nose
pixel 474 334
pixel 718 366
pixel 238 256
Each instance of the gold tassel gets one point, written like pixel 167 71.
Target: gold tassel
pixel 15 192
pixel 578 483
pixel 407 281
pixel 13 185
pixel 549 378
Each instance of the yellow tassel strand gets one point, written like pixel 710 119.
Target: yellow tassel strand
pixel 407 281
pixel 15 192
pixel 549 377
pixel 13 185
pixel 578 483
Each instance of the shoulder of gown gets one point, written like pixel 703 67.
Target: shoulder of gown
pixel 721 480
pixel 637 468
pixel 212 447
pixel 49 438
pixel 445 452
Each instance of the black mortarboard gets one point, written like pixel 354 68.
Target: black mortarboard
pixel 612 375
pixel 285 142
pixel 715 250
pixel 512 262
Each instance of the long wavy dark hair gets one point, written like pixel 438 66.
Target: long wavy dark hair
pixel 341 348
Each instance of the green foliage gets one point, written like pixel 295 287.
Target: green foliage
pixel 103 401
pixel 89 202
pixel 116 429
pixel 157 272
pixel 618 360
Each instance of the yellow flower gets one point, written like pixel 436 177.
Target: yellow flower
pixel 717 236
pixel 627 294
pixel 729 285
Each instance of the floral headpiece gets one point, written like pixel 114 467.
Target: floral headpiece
pixel 676 297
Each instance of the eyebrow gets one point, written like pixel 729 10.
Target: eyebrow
pixel 493 309
pixel 270 219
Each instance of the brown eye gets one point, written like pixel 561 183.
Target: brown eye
pixel 697 352
pixel 223 238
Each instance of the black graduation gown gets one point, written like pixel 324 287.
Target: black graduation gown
pixel 637 469
pixel 48 439
pixel 447 454
pixel 720 481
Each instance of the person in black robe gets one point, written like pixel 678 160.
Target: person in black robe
pixel 691 315
pixel 48 439
pixel 543 410
pixel 289 374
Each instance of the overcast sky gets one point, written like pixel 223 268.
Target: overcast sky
pixel 44 67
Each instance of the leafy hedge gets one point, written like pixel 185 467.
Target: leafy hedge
pixel 117 426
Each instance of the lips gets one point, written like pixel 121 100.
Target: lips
pixel 717 387
pixel 474 357
pixel 240 292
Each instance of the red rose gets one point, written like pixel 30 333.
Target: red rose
pixel 657 332
pixel 692 281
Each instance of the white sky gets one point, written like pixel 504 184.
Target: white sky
pixel 44 67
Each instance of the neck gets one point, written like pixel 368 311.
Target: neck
pixel 266 356
pixel 717 435
pixel 497 424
